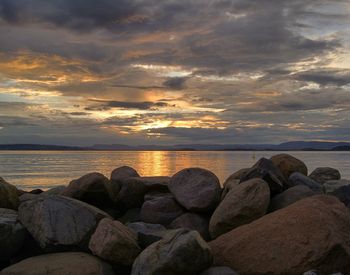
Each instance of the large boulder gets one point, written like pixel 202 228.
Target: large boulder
pixel 12 234
pixel 332 185
pixel 243 204
pixel 179 252
pixel 123 172
pixel 161 210
pixel 236 176
pixel 60 223
pixel 312 233
pixel 114 242
pixel 92 188
pixel 131 215
pixel 148 233
pixel 323 174
pixel 196 189
pixel 133 190
pixel 290 196
pixel 57 190
pixel 300 179
pixel 192 221
pixel 266 170
pixel 289 164
pixel 228 186
pixel 219 270
pixel 69 263
pixel 8 195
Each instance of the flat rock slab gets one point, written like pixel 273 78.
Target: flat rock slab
pixel 69 263
pixel 196 189
pixel 59 223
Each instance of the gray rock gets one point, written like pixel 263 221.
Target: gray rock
pixel 180 252
pixel 290 196
pixel 266 170
pixel 131 215
pixel 332 185
pixel 148 233
pixel 69 263
pixel 162 210
pixel 343 194
pixel 228 186
pixel 12 234
pixel 192 221
pixel 59 223
pixel 8 195
pixel 92 188
pixel 57 190
pixel 123 172
pixel 323 174
pixel 114 242
pixel 236 176
pixel 157 194
pixel 133 190
pixel 300 179
pixel 243 204
pixel 219 270
pixel 196 189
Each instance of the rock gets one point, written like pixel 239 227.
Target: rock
pixel 57 190
pixel 59 223
pixel 343 194
pixel 27 197
pixel 266 170
pixel 332 185
pixel 162 210
pixel 12 234
pixel 192 221
pixel 133 190
pixel 290 196
pixel 8 195
pixel 36 191
pixel 288 164
pixel 243 204
pixel 300 179
pixel 228 186
pixel 312 233
pixel 196 189
pixel 180 252
pixel 114 242
pixel 69 263
pixel 323 174
pixel 236 176
pixel 131 215
pixel 156 194
pixel 148 233
pixel 219 270
pixel 123 172
pixel 92 188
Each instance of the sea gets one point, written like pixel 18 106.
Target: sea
pixel 45 169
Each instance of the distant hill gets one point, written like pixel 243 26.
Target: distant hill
pixel 286 146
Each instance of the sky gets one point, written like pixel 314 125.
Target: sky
pixel 82 72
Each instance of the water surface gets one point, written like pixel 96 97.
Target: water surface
pixel 44 169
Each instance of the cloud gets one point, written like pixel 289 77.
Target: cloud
pixel 107 105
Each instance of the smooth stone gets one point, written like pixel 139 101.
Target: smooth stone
pixel 236 176
pixel 123 172
pixel 343 194
pixel 57 190
pixel 179 252
pixel 192 221
pixel 312 233
pixel 243 204
pixel 300 179
pixel 8 195
pixel 157 194
pixel 69 263
pixel 290 196
pixel 324 174
pixel 162 210
pixel 148 233
pixel 131 215
pixel 228 186
pixel 219 270
pixel 288 164
pixel 133 190
pixel 114 242
pixel 196 189
pixel 267 171
pixel 332 185
pixel 60 223
pixel 92 188
pixel 12 234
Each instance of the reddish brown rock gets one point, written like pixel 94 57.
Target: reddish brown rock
pixel 289 164
pixel 312 233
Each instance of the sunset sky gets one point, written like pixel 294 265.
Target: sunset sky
pixel 81 72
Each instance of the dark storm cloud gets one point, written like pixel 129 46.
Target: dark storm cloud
pixel 175 83
pixel 326 77
pixel 107 105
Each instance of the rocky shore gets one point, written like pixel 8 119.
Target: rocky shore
pixel 272 218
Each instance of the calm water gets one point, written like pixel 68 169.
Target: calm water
pixel 44 169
